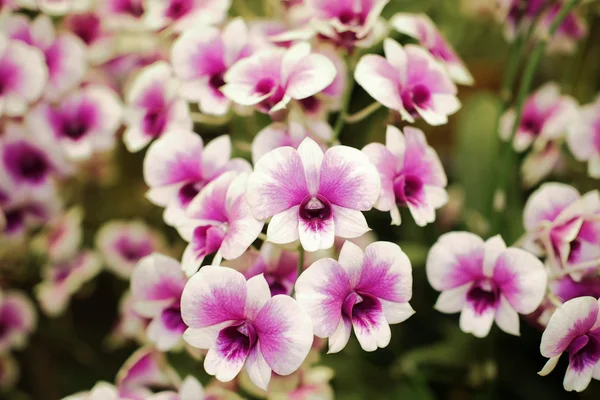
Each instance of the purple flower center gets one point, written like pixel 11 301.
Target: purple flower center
pixel 532 125
pixel 188 192
pixel 157 111
pixel 61 273
pixel 584 351
pixel 131 7
pixel 74 123
pixel 351 18
pixel 207 239
pixel 86 26
pixel 171 318
pixel 315 208
pixel 310 104
pixel 154 122
pixel 483 295
pixel 408 189
pixel 361 308
pixel 216 81
pixel 235 342
pixel 178 8
pixel 417 96
pixel 26 162
pixel 14 220
pixel 265 86
pixel 133 251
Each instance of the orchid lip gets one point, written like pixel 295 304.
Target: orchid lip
pixel 315 207
pixel 484 294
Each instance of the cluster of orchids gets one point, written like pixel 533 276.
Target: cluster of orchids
pixel 279 261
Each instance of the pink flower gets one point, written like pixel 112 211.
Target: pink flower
pixel 517 15
pixel 422 28
pixel 124 14
pixel 185 14
pixel 411 175
pixel 178 166
pixel 84 123
pixel 130 325
pixel 540 163
pixel 313 196
pixel 564 226
pixel 154 106
pixel 567 288
pixel 485 281
pixel 546 116
pixel 123 244
pixel 290 133
pixel 271 78
pixel 65 54
pixel 410 81
pixel 571 30
pixel 584 137
pixel 347 23
pixel 201 57
pixel 63 279
pixel 91 29
pixel 367 291
pixel 23 76
pixel 218 220
pixel 156 286
pixel 241 324
pixel 190 389
pixel 574 328
pixel 18 320
pixel 62 236
pixel 278 266
pixel 145 368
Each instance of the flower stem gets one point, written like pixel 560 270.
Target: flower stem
pixel 300 266
pixel 209 119
pixel 341 119
pixel 217 259
pixel 362 114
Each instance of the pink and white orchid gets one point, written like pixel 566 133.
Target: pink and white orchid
pixel 241 324
pixel 366 290
pixel 571 30
pixel 91 29
pixel 422 28
pixel 156 286
pixel 574 328
pixel 564 226
pixel 546 117
pixel 272 77
pixel 18 319
pixel 584 137
pixel 485 281
pixel 83 123
pixel 178 166
pixel 62 236
pixel 347 23
pixel 65 53
pixel 201 57
pixel 411 175
pixel 190 389
pixel 154 106
pixel 184 14
pixel 219 220
pixel 312 195
pixel 122 244
pixel 23 76
pixel 410 81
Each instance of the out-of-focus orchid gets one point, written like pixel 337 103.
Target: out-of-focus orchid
pixel 183 14
pixel 546 117
pixel 18 319
pixel 154 106
pixel 241 324
pixel 123 243
pixel 485 281
pixel 201 57
pixel 422 28
pixel 411 175
pixel 573 29
pixel 410 81
pixel 313 196
pixel 190 389
pixel 62 236
pixel 584 137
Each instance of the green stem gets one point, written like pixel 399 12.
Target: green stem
pixel 362 114
pixel 507 157
pixel 341 119
pixel 300 266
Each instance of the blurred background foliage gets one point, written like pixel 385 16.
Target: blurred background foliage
pixel 428 357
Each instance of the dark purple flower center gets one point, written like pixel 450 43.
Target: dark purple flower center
pixel 14 220
pixel 310 104
pixel 315 207
pixel 235 342
pixel 188 192
pixel 131 7
pixel 483 295
pixel 9 76
pixel 361 308
pixel 207 239
pixel 584 351
pixel 532 125
pixel 61 273
pixel 420 95
pixel 216 81
pixel 178 8
pixel 26 162
pixel 171 318
pixel 87 26
pixel 265 86
pixel 74 123
pixel 154 122
pixel 133 251
pixel 408 189
pixel 351 18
